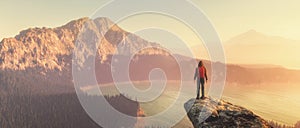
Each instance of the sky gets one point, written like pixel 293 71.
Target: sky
pixel 229 17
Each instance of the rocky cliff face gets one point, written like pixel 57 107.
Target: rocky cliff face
pixel 43 56
pixel 211 113
pixel 50 48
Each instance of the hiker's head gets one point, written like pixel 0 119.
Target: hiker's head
pixel 200 63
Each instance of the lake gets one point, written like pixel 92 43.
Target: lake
pixel 277 102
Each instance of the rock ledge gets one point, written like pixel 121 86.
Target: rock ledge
pixel 212 113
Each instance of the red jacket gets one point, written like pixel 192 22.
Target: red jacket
pixel 202 72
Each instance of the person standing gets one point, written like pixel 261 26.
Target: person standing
pixel 201 76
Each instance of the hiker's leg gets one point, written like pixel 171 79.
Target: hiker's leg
pixel 202 87
pixel 198 88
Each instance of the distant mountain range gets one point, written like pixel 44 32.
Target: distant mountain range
pixel 42 57
pixel 253 47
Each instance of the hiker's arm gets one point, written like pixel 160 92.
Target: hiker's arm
pixel 205 74
pixel 196 74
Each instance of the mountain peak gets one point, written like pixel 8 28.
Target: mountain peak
pixel 75 23
pixel 81 21
pixel 252 34
pixel 106 19
pixel 254 37
pixel 253 31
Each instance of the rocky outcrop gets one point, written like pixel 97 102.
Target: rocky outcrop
pixel 211 113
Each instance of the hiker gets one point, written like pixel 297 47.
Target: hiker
pixel 200 75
